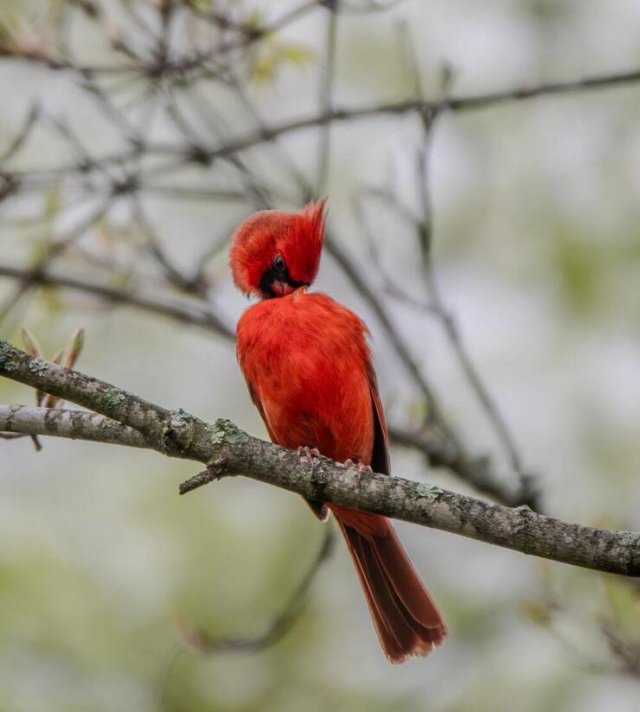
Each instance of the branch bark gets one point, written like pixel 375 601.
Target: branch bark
pixel 228 451
pixel 64 423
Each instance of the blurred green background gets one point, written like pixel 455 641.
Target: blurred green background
pixel 537 247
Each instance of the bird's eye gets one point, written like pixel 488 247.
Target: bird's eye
pixel 279 264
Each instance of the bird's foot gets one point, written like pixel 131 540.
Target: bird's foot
pixel 308 453
pixel 359 466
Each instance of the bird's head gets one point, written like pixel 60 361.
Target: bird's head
pixel 274 253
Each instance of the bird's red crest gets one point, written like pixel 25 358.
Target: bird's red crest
pixel 263 238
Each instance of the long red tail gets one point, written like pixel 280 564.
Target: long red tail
pixel 405 615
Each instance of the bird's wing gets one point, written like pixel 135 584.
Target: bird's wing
pixel 318 508
pixel 258 404
pixel 380 452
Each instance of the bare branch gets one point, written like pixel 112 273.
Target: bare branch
pixel 73 424
pixel 326 95
pixel 55 249
pixel 438 451
pixel 482 101
pixel 194 312
pixel 346 114
pixel 226 451
pixel 422 227
pixel 450 104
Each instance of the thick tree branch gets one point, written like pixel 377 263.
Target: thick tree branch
pixel 226 451
pixel 73 424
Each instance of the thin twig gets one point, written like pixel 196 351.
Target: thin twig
pixel 424 229
pixel 277 627
pixel 195 313
pixel 54 249
pixel 344 114
pixel 327 79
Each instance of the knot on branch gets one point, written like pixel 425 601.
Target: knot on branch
pixel 177 435
pixel 200 155
pixel 130 184
pixel 331 5
pixel 225 441
pixel 8 186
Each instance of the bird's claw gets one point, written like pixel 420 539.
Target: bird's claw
pixel 359 466
pixel 308 453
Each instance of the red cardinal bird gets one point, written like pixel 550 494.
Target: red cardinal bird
pixel 309 370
